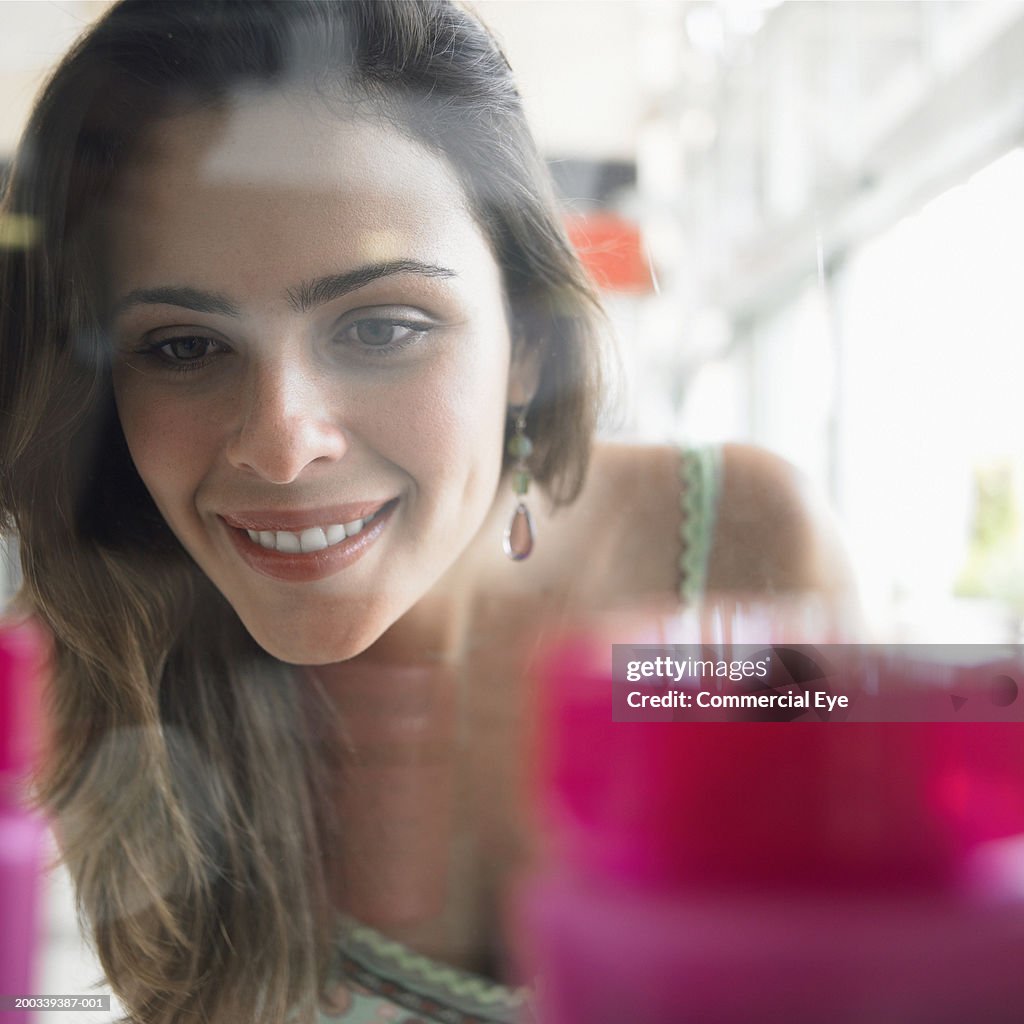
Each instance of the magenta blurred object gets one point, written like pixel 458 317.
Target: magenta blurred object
pixel 797 872
pixel 22 832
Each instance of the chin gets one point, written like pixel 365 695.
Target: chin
pixel 312 646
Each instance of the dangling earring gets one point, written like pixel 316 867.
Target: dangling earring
pixel 518 539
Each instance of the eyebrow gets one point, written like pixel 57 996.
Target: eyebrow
pixel 325 289
pixel 187 298
pixel 302 298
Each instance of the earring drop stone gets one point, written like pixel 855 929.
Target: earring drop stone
pixel 519 536
pixel 518 540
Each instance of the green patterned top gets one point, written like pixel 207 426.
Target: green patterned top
pixel 376 979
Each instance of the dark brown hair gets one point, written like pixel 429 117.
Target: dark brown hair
pixel 185 778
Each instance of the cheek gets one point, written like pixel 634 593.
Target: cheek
pixel 452 428
pixel 167 441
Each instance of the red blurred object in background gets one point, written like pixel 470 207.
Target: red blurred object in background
pixel 786 871
pixel 612 250
pixel 22 833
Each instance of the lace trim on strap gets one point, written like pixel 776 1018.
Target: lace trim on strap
pixel 389 969
pixel 700 473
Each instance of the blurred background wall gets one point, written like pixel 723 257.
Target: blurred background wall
pixel 830 198
pixel 807 218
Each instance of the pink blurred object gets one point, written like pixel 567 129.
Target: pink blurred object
pixel 800 872
pixel 22 832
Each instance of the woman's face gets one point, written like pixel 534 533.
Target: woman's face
pixel 312 364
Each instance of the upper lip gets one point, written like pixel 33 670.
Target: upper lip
pixel 294 520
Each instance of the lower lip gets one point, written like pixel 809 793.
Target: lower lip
pixel 313 565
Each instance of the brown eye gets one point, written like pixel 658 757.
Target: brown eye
pixel 187 350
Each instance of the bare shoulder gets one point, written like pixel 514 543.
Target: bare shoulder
pixel 773 532
pixel 654 468
pixel 629 515
pixel 620 541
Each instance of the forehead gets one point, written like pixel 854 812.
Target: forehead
pixel 272 178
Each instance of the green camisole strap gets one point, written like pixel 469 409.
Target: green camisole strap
pixel 377 979
pixel 700 479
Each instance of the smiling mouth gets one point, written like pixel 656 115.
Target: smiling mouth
pixel 309 551
pixel 315 538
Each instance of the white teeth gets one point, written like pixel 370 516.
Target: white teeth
pixel 335 533
pixel 316 538
pixel 313 539
pixel 288 543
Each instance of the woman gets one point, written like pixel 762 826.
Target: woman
pixel 298 335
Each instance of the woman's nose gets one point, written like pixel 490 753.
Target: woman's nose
pixel 286 424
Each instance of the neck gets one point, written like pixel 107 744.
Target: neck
pixel 436 629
